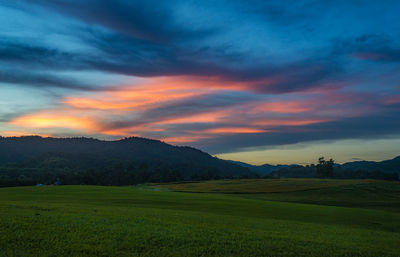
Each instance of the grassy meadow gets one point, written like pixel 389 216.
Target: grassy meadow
pixel 292 217
pixel 372 194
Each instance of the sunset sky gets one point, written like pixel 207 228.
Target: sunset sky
pixel 255 81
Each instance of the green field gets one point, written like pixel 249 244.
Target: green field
pixel 372 194
pixel 259 185
pixel 251 218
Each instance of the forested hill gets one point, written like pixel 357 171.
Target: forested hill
pixel 392 165
pixel 263 169
pixel 92 161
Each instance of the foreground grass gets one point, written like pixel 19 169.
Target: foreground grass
pixel 128 221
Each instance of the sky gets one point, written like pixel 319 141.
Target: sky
pixel 255 81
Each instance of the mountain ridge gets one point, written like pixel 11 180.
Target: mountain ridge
pixel 263 169
pixel 66 156
pixel 388 166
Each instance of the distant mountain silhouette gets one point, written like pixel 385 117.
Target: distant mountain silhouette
pixel 263 169
pixel 388 170
pixel 388 166
pixel 132 155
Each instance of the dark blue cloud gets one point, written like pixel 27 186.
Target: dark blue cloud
pixel 129 56
pixel 146 20
pixel 372 47
pixel 37 80
pixel 145 38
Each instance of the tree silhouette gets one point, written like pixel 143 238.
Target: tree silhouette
pixel 325 168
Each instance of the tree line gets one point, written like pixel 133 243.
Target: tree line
pixel 328 169
pixel 116 175
pixel 131 173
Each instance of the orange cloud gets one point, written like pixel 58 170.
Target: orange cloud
pixel 55 121
pixel 185 139
pixel 132 131
pixel 233 130
pixel 87 103
pixel 110 113
pixel 209 117
pixel 282 107
pixel 140 97
pixel 210 133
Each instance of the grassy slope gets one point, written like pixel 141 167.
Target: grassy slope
pixel 258 185
pixel 125 221
pixel 374 194
pixel 378 195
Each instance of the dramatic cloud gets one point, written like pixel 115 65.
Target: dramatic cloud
pixel 220 75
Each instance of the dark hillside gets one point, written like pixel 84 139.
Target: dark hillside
pixel 63 156
pixel 388 166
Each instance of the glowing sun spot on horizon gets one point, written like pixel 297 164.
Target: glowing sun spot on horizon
pixel 55 121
